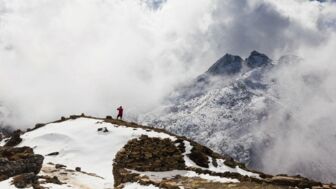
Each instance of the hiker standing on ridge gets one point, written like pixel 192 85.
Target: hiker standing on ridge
pixel 120 112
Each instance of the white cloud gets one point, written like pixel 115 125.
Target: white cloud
pixel 63 57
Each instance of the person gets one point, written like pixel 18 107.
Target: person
pixel 120 112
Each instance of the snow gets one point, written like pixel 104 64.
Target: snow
pixel 211 178
pixel 80 145
pixel 221 168
pixel 187 160
pixel 138 186
pixel 6 184
pixel 158 176
pixel 73 179
pixel 220 114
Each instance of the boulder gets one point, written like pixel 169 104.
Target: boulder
pixel 17 161
pixel 147 154
pixel 53 154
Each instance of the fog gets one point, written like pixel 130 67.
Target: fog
pixel 67 57
pixel 302 125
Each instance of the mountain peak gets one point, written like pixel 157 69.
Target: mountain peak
pixel 257 59
pixel 228 64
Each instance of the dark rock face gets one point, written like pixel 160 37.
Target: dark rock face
pixel 103 129
pixel 59 166
pixel 228 64
pixel 16 161
pixel 147 154
pixel 15 139
pixel 53 154
pixel 257 59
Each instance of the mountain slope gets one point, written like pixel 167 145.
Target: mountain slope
pixel 222 106
pixel 235 108
pixel 87 152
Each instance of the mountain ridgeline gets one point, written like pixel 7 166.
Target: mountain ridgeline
pixel 95 153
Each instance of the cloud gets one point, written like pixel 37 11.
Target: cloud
pixel 64 57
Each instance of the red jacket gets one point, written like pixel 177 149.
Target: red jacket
pixel 120 111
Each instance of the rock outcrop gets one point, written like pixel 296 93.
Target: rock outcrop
pixel 15 139
pixel 147 154
pixel 16 161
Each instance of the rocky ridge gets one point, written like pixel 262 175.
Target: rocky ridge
pixel 151 157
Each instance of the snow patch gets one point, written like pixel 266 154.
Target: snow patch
pixel 159 176
pixel 187 160
pixel 221 168
pixel 135 185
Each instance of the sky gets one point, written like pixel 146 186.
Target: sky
pixel 66 57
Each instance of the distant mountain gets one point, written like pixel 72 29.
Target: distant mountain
pixel 227 107
pixel 221 106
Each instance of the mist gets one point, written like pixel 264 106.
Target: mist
pixel 67 57
pixel 301 129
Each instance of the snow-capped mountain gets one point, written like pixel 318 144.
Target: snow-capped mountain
pixel 222 106
pixel 232 109
pixel 93 153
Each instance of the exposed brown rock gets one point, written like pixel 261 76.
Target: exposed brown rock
pixel 295 181
pixel 53 180
pixel 23 180
pixel 147 154
pixel 16 161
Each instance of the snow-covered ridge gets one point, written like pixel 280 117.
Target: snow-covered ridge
pixel 80 145
pixel 82 152
pixel 92 144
